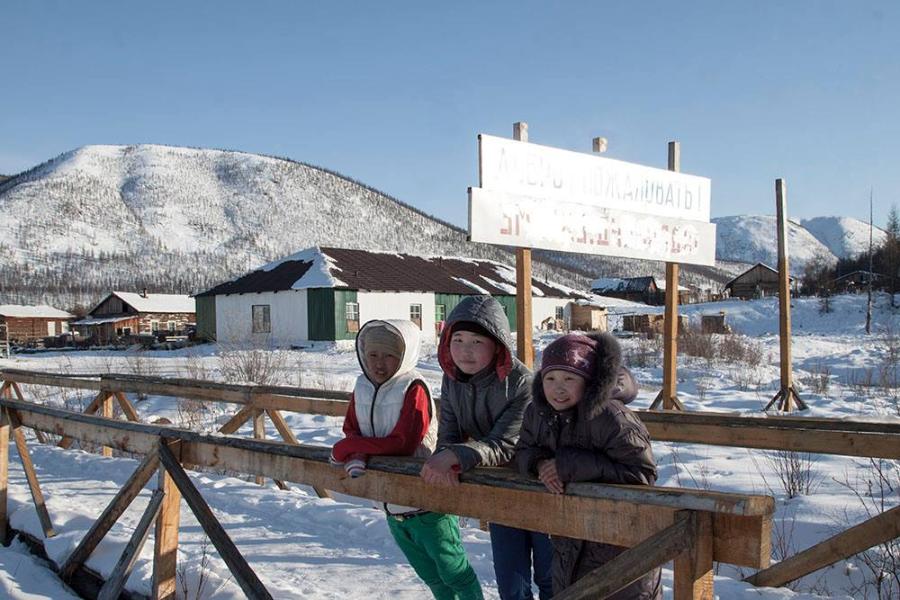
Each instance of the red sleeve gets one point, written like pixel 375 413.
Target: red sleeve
pixel 403 440
pixel 351 425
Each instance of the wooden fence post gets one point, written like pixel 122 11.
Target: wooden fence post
pixel 4 477
pixel 165 547
pixel 106 410
pixel 694 566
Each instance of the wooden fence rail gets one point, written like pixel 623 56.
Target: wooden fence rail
pixel 623 515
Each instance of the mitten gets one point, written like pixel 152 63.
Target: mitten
pixel 355 468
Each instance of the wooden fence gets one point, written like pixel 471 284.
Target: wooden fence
pixel 692 527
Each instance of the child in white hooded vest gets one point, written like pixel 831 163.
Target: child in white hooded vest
pixel 391 414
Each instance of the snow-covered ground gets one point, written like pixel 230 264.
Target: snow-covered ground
pixel 305 547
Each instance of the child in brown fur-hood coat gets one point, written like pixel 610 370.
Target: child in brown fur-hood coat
pixel 578 429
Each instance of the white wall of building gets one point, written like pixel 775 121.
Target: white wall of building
pixel 396 305
pixel 542 307
pixel 287 315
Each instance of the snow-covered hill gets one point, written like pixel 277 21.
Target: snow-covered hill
pixel 845 237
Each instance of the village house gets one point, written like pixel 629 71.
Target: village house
pixel 856 281
pixel 28 324
pixel 758 281
pixel 647 289
pixel 327 293
pixel 123 314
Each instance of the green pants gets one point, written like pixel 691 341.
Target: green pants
pixel 433 547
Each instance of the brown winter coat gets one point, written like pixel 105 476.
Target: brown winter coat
pixel 598 440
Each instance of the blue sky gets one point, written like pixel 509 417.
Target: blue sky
pixel 394 93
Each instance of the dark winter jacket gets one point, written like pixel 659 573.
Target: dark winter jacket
pixel 480 415
pixel 598 440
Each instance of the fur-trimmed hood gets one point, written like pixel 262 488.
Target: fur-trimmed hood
pixel 610 380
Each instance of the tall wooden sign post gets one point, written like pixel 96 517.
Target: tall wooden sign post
pixel 668 395
pixel 524 341
pixel 787 395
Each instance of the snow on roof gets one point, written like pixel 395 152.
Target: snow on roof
pixel 42 311
pixel 317 275
pixel 169 303
pixel 100 320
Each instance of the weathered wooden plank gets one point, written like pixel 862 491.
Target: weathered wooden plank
pixel 66 441
pixel 235 422
pixel 117 506
pixel 632 564
pixel 34 485
pixel 106 411
pixel 54 379
pixel 165 543
pixel 859 538
pixel 259 433
pixel 4 477
pixel 694 566
pixel 116 582
pixel 37 433
pixel 243 574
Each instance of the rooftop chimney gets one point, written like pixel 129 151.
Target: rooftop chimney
pixel 144 293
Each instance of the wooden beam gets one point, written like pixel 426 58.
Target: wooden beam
pixel 116 582
pixel 670 322
pixel 117 506
pixel 634 563
pixel 694 566
pixel 34 485
pixel 66 442
pixel 5 538
pixel 259 433
pixel 859 538
pixel 243 574
pixel 106 411
pixel 235 422
pixel 130 413
pixel 38 434
pixel 165 547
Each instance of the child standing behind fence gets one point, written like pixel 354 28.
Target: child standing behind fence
pixel 390 414
pixel 484 393
pixel 578 429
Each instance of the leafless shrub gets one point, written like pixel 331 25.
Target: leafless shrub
pixel 137 363
pixel 734 348
pixel 699 481
pixel 643 353
pixel 693 342
pixel 258 365
pixel 196 368
pixel 861 381
pixel 783 541
pixel 876 486
pixel 818 380
pixel 796 472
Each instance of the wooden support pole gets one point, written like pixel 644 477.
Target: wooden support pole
pixel 106 407
pixel 694 566
pixel 634 563
pixel 787 395
pixel 243 574
pixel 859 538
pixel 235 422
pixel 116 582
pixel 37 495
pixel 127 408
pixel 668 397
pixel 165 547
pixel 4 478
pixel 117 506
pixel 259 433
pixel 524 319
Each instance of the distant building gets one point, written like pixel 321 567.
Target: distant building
pixel 856 281
pixel 123 314
pixel 584 316
pixel 758 281
pixel 27 324
pixel 647 289
pixel 327 293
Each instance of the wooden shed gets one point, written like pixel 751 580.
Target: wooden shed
pixel 714 323
pixel 29 324
pixel 758 281
pixel 124 314
pixel 588 317
pixel 650 323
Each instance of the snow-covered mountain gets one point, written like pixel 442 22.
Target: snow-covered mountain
pixel 752 238
pixel 844 236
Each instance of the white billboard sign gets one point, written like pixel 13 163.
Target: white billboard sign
pixel 516 220
pixel 551 173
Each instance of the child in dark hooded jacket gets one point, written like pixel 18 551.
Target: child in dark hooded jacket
pixel 578 428
pixel 484 392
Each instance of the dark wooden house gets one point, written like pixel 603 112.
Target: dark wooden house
pixel 28 324
pixel 856 281
pixel 124 314
pixel 758 281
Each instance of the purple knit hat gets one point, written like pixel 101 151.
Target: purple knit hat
pixel 574 352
